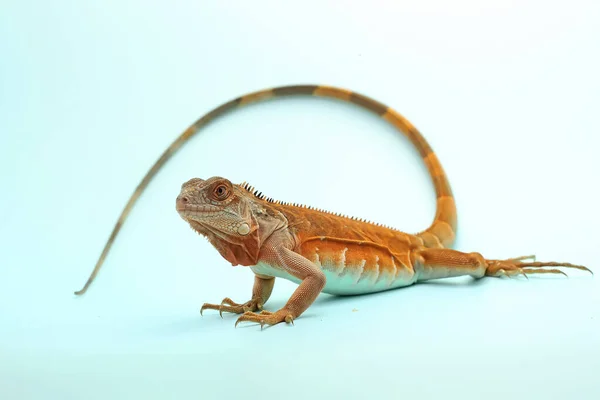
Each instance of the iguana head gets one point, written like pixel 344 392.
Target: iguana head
pixel 230 217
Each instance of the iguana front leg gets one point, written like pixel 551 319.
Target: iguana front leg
pixel 313 281
pixel 261 291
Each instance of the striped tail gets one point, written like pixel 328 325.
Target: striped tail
pixel 440 233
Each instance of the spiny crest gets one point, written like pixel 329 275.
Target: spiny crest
pixel 259 195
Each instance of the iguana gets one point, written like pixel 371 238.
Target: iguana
pixel 320 250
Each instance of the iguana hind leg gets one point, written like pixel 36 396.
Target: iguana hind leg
pixel 263 286
pixel 447 263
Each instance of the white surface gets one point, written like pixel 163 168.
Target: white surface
pixel 507 93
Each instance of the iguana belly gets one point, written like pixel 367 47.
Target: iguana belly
pixel 351 269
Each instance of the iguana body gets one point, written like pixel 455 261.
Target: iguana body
pixel 322 251
pixel 357 257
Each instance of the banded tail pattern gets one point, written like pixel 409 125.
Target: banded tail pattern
pixel 441 233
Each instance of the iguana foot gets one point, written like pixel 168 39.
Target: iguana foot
pixel 231 306
pixel 267 317
pixel 515 266
pixel 508 268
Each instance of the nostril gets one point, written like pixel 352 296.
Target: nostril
pixel 184 199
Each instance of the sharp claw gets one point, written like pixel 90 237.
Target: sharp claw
pixel 202 308
pixel 238 321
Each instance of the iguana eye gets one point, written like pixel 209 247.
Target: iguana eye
pixel 221 192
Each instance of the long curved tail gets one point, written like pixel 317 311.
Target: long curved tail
pixel 440 234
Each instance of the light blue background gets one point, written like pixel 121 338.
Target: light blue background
pixel 507 93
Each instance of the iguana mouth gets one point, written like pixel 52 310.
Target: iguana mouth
pixel 185 209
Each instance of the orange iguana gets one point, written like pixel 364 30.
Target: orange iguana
pixel 319 250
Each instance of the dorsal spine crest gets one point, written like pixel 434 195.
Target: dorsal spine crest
pixel 259 195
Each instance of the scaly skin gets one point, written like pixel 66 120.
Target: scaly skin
pixel 319 250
